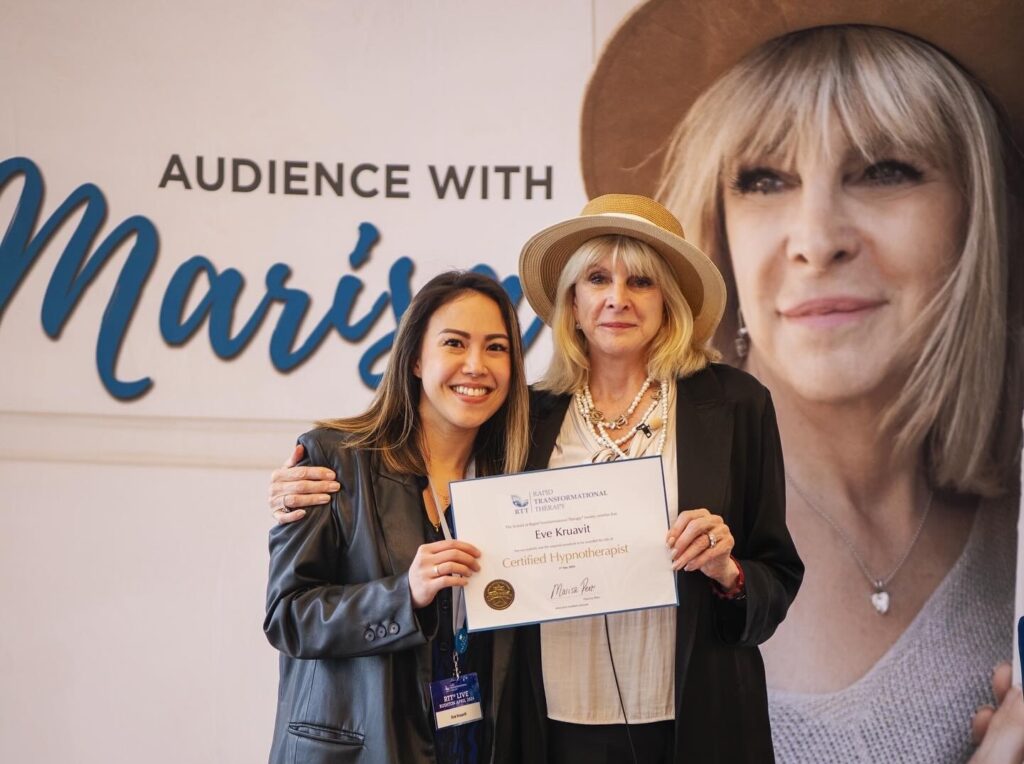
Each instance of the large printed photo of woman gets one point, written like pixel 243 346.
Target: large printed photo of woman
pixel 853 169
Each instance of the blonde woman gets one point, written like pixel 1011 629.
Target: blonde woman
pixel 853 183
pixel 631 305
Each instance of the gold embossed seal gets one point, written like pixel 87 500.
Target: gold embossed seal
pixel 499 594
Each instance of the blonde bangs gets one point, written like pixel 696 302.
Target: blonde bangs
pixel 638 258
pixel 794 92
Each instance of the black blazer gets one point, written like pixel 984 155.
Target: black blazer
pixel 355 656
pixel 729 460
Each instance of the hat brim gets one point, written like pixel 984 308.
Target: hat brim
pixel 667 52
pixel 545 255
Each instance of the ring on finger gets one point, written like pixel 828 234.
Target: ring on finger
pixel 437 573
pixel 711 540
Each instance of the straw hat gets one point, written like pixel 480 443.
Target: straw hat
pixel 546 253
pixel 664 55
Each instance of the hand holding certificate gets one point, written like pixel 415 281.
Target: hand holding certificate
pixel 565 543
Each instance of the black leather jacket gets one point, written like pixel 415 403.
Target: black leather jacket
pixel 355 655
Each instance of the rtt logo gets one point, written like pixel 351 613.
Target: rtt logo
pixel 522 506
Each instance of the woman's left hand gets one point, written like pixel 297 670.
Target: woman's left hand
pixel 999 732
pixel 690 537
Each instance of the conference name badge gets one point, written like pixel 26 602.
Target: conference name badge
pixel 456 700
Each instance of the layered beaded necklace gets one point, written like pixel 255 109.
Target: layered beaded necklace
pixel 604 430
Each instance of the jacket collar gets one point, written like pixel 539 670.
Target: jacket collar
pixel 704 429
pixel 399 506
pixel 547 410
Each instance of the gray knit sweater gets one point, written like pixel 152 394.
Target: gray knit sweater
pixel 915 704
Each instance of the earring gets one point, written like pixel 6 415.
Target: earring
pixel 742 340
pixel 578 327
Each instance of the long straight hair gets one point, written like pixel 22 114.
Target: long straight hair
pixel 884 90
pixel 391 425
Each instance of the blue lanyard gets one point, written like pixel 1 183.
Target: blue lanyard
pixel 458 595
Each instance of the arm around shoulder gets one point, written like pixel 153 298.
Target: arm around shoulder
pixel 312 610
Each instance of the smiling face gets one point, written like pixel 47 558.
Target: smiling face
pixel 835 256
pixel 618 312
pixel 464 364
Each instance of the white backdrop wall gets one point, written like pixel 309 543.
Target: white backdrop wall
pixel 133 550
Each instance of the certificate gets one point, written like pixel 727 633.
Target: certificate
pixel 565 542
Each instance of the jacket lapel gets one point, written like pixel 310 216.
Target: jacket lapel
pixel 546 414
pixel 400 513
pixel 704 429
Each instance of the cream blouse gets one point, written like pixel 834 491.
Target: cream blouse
pixel 578 679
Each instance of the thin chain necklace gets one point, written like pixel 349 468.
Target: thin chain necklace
pixel 880 597
pixel 443 496
pixel 599 428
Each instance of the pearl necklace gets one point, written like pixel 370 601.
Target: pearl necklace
pixel 596 417
pixel 599 428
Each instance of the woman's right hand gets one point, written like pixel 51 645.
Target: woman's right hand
pixel 438 565
pixel 292 488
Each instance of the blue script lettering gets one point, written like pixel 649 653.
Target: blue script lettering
pixel 223 290
pixel 79 265
pixel 76 268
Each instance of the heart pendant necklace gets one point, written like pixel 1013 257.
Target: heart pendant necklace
pixel 880 598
